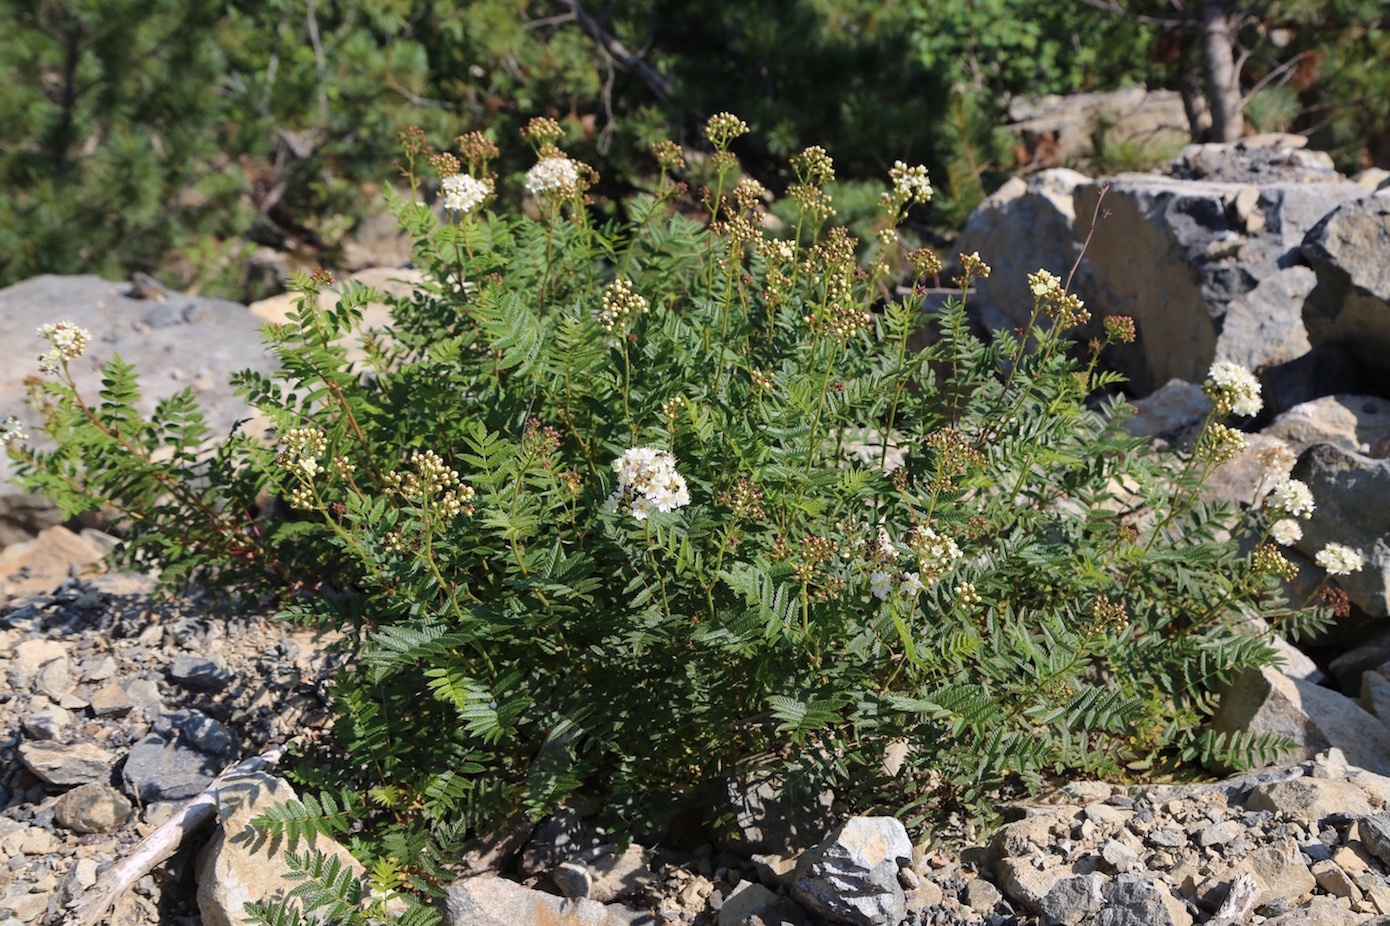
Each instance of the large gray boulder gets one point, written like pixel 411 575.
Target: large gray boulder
pixel 1349 250
pixel 1355 423
pixel 852 877
pixel 1352 493
pixel 1062 129
pixel 240 865
pixel 1313 717
pixel 174 341
pixel 1207 269
pixel 1024 226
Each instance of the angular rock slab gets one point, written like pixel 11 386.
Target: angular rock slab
pixel 1206 269
pixel 177 342
pixel 1349 250
pixel 41 564
pixel 489 900
pixel 241 866
pixel 1073 899
pixel 66 766
pixel 852 877
pixel 1134 900
pixel 1355 423
pixel 1019 229
pixel 183 753
pixel 1315 718
pixel 1309 800
pixel 1352 493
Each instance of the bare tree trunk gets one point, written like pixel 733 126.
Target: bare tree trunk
pixel 1223 83
pixel 1194 103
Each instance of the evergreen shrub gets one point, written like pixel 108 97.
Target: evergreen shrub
pixel 610 512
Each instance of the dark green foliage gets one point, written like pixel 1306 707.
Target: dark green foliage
pixel 175 138
pixel 1031 592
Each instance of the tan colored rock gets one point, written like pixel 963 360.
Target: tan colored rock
pixel 620 875
pixel 1334 881
pixel 1309 800
pixel 45 562
pixel 1242 480
pixel 111 700
pixel 240 866
pixel 95 807
pixel 1315 718
pixel 66 766
pixel 1280 871
pixel 1026 884
pixel 1354 858
pixel 488 900
pixel 1043 205
pixel 29 659
pixel 1319 911
pixel 393 281
pixel 1172 412
pixel 1355 423
pixel 1372 178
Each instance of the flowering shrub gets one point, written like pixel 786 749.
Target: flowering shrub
pixel 615 512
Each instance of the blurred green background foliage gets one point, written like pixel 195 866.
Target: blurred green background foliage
pixel 176 136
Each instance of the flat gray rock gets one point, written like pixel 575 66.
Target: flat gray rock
pixel 180 757
pixel 852 877
pixel 198 673
pixel 175 342
pixel 64 765
pixel 1350 253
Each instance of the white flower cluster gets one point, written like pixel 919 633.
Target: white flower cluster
pixel 1339 560
pixel 552 175
pixel 68 340
pixel 303 447
pixel 910 184
pixel 620 305
pixel 779 249
pixel 1043 283
pixel 1232 389
pixel 1286 532
pixel 464 192
pixel 1291 497
pixel 1052 299
pixel 936 553
pixel 11 430
pixel 431 483
pixel 647 482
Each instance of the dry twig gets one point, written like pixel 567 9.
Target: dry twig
pixel 96 902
